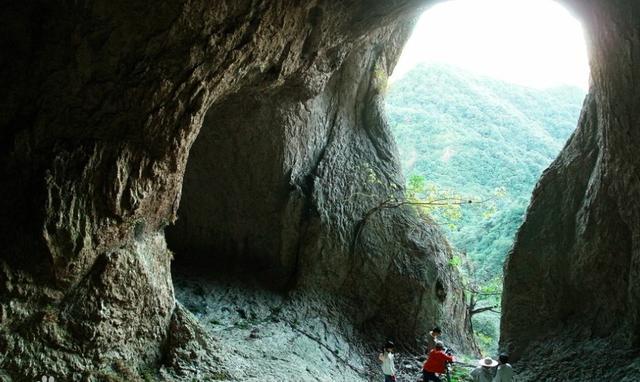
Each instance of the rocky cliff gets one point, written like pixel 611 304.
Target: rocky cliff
pixel 572 279
pixel 101 104
pixel 102 101
pixel 278 182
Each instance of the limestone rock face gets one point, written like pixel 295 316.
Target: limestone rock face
pixel 574 272
pixel 101 104
pixel 102 101
pixel 278 181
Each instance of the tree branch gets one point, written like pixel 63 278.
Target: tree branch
pixel 393 202
pixel 483 309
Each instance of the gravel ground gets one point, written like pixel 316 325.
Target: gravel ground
pixel 265 336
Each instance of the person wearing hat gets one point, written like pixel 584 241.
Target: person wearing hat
pixel 386 357
pixel 485 370
pixel 505 371
pixel 436 363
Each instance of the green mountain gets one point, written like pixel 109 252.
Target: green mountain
pixel 473 135
pixel 478 138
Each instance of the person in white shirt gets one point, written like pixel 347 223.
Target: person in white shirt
pixel 433 338
pixel 386 357
pixel 505 371
pixel 485 370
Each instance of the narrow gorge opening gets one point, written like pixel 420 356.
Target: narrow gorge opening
pixel 482 100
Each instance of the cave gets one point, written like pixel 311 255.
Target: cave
pixel 477 115
pixel 281 101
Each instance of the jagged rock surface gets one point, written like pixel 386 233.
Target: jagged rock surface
pixel 101 103
pixel 277 183
pixel 573 276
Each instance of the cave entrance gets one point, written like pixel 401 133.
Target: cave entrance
pixel 233 191
pixel 480 103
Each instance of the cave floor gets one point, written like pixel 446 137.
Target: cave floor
pixel 268 336
pixel 265 336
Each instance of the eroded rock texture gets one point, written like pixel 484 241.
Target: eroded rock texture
pixel 573 276
pixel 101 103
pixel 278 181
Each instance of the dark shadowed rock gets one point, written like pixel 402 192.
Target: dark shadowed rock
pixel 101 104
pixel 278 182
pixel 102 101
pixel 573 276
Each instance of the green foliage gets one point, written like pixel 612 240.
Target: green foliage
pixel 455 262
pixel 459 374
pixel 415 185
pixel 381 80
pixel 486 342
pixel 461 134
pixel 486 326
pixel 443 205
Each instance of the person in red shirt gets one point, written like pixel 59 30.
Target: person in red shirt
pixel 435 364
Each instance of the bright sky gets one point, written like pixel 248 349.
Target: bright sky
pixel 536 43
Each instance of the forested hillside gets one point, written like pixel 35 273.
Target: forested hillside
pixel 484 140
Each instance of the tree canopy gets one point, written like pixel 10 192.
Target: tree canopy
pixel 476 137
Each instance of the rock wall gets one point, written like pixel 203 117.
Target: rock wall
pixel 278 182
pixel 101 103
pixel 574 272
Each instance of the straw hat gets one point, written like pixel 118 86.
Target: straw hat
pixel 488 362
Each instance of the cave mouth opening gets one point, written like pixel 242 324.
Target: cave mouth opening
pixel 229 223
pixel 481 101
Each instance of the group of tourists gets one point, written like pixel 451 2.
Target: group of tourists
pixel 438 359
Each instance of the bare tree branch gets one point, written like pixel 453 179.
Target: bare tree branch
pixel 483 309
pixel 394 202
